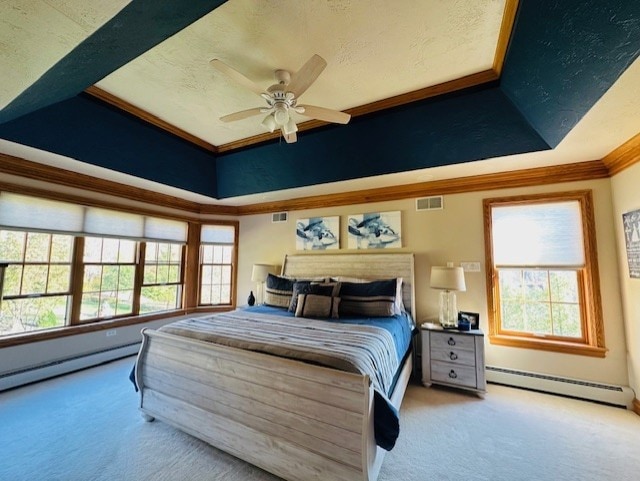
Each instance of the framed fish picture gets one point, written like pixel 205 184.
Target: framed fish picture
pixel 318 233
pixel 375 230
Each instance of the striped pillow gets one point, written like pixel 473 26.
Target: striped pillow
pixel 278 291
pixel 314 305
pixel 372 299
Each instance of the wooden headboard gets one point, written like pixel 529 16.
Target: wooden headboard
pixel 363 266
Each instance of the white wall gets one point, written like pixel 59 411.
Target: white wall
pixel 626 197
pixel 457 234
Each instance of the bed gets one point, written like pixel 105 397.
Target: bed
pixel 299 420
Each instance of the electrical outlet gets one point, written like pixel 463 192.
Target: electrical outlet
pixel 111 332
pixel 470 266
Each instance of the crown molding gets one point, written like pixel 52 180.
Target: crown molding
pixel 624 156
pixel 520 178
pixel 508 21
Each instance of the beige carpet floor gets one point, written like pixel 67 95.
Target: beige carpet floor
pixel 85 426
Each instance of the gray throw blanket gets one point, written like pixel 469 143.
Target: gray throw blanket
pixel 354 348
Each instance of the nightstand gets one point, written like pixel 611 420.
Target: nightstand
pixel 453 358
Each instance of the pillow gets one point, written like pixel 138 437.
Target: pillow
pixel 399 303
pixel 278 291
pixel 373 299
pixel 314 305
pixel 308 287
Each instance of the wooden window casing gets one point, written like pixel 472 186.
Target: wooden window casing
pixel 591 343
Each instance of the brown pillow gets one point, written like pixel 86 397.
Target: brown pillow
pixel 314 305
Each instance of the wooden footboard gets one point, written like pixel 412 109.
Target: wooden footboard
pixel 298 421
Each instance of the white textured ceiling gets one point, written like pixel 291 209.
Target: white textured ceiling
pixel 35 34
pixel 374 50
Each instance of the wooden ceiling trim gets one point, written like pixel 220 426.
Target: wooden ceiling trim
pixel 520 178
pixel 624 156
pixel 148 117
pixel 472 80
pixel 508 21
pixel 46 173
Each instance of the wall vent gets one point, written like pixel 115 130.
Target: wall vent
pixel 279 217
pixel 430 203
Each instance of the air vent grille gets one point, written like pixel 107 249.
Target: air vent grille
pixel 430 203
pixel 279 217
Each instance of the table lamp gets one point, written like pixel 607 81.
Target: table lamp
pixel 259 276
pixel 448 279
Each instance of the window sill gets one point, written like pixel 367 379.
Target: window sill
pixel 548 345
pixel 58 332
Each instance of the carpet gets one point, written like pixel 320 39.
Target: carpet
pixel 86 427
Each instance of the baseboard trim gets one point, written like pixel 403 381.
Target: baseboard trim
pixel 592 391
pixel 32 374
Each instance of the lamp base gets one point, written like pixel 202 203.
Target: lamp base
pixel 448 310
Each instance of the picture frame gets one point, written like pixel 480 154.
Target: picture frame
pixel 472 317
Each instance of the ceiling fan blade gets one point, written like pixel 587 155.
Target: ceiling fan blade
pixel 326 115
pixel 233 74
pixel 303 78
pixel 290 138
pixel 243 114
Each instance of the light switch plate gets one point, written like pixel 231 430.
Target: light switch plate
pixel 470 266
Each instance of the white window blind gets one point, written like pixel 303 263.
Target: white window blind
pixel 103 222
pixel 21 211
pixel 33 213
pixel 217 234
pixel 165 229
pixel 548 234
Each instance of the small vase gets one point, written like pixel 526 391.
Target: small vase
pixel 251 300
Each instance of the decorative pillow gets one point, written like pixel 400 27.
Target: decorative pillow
pixel 314 305
pixel 399 303
pixel 308 287
pixel 373 299
pixel 278 291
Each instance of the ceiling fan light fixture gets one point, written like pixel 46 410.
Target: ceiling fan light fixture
pixel 280 114
pixel 290 127
pixel 269 123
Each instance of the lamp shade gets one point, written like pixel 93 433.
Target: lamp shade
pixel 260 271
pixel 448 278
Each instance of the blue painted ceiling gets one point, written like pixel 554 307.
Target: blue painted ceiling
pixel 562 58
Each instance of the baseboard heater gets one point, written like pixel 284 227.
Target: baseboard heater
pixel 592 391
pixel 28 375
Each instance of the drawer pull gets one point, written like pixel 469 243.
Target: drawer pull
pixel 453 356
pixel 452 374
pixel 452 341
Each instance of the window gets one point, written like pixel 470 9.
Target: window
pixel 217 258
pixel 109 275
pixel 37 283
pixel 162 280
pixel 542 275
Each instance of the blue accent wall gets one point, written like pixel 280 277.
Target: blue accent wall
pixel 459 128
pixel 89 130
pixel 564 55
pixel 139 26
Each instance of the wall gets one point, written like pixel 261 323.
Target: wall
pixel 626 197
pixel 456 234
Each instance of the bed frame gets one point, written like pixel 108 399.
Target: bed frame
pixel 296 420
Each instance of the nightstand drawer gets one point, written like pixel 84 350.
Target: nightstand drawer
pixel 453 374
pixel 447 340
pixel 454 355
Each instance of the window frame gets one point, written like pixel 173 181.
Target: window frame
pixel 592 343
pixel 233 264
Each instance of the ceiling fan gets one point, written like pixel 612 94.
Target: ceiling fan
pixel 282 98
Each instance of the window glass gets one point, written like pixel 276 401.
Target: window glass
pixel 37 284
